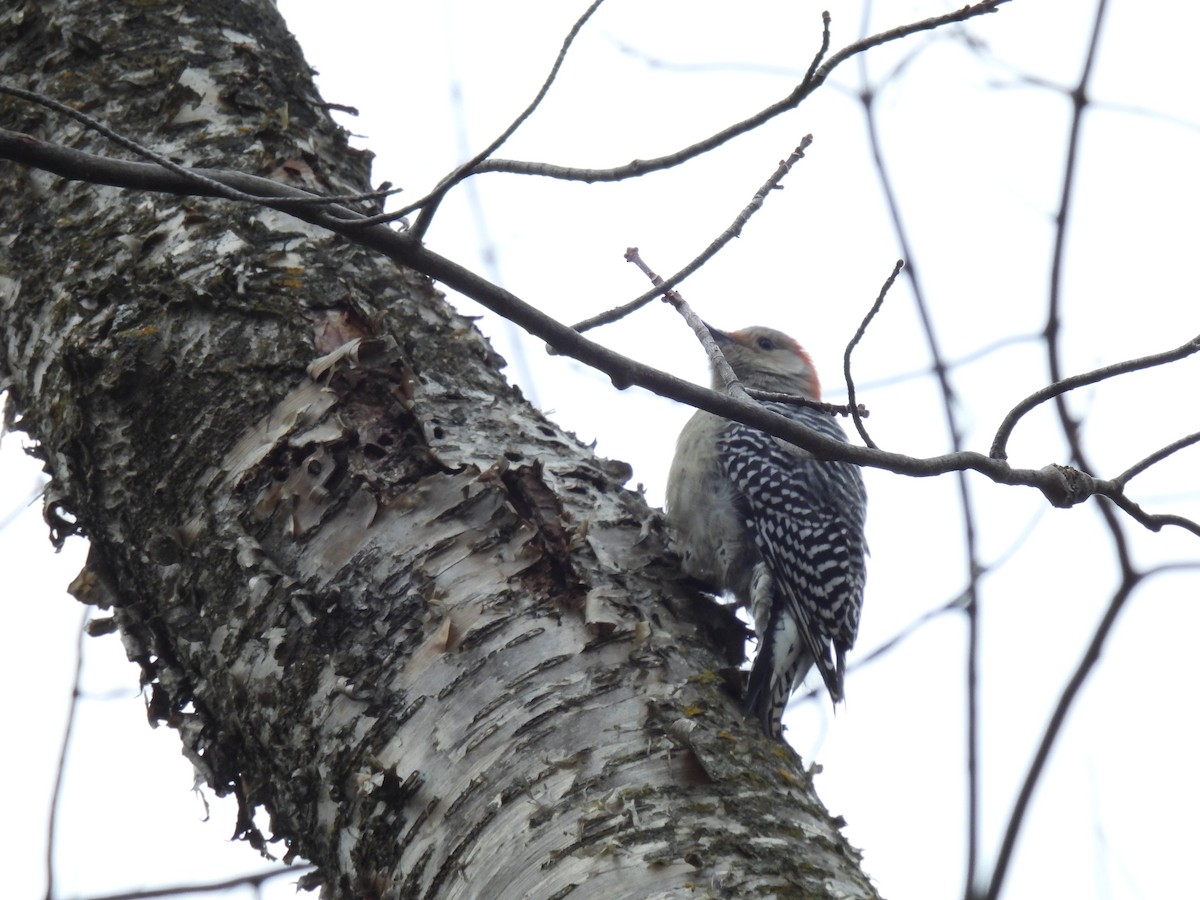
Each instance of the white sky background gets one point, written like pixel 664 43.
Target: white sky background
pixel 976 155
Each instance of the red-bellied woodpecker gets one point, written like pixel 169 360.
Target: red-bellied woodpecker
pixel 766 521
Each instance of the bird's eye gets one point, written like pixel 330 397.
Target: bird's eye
pixel 764 343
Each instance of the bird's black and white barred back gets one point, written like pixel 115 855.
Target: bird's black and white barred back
pixel 806 517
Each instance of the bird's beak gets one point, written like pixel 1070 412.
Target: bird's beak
pixel 718 335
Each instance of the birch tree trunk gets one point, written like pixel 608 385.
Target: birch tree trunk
pixel 377 594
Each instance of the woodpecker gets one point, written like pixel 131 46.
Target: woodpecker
pixel 767 522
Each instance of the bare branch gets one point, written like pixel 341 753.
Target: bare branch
pixel 169 178
pixel 211 188
pixel 1053 325
pixel 952 364
pixel 1061 386
pixel 662 287
pixel 833 409
pixel 958 602
pixel 826 21
pixel 430 202
pixel 802 91
pixel 205 186
pixel 858 336
pixel 61 770
pixel 716 356
pixel 253 881
pixel 1139 515
pixel 35 492
pixel 1090 657
pixel 1062 485
pixel 1156 457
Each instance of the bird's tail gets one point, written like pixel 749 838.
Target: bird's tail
pixel 782 661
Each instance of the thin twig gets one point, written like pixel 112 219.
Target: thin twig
pixel 255 880
pixel 213 187
pixel 641 167
pixel 956 603
pixel 35 492
pixel 430 202
pixel 1090 657
pixel 716 357
pixel 1156 457
pixel 858 336
pixel 1153 522
pixel 64 749
pixel 952 364
pixel 489 253
pixel 833 409
pixel 1063 385
pixel 826 21
pixel 1053 328
pixel 662 286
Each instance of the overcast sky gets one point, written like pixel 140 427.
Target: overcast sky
pixel 974 136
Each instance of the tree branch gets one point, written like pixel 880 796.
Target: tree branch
pixel 429 203
pixel 1060 387
pixel 256 880
pixel 663 287
pixel 811 82
pixel 1156 457
pixel 1063 486
pixel 858 336
pixel 64 749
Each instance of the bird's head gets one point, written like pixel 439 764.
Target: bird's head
pixel 767 360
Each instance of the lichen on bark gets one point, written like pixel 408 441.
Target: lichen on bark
pixel 376 593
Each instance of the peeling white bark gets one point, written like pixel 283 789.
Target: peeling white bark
pixel 374 591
